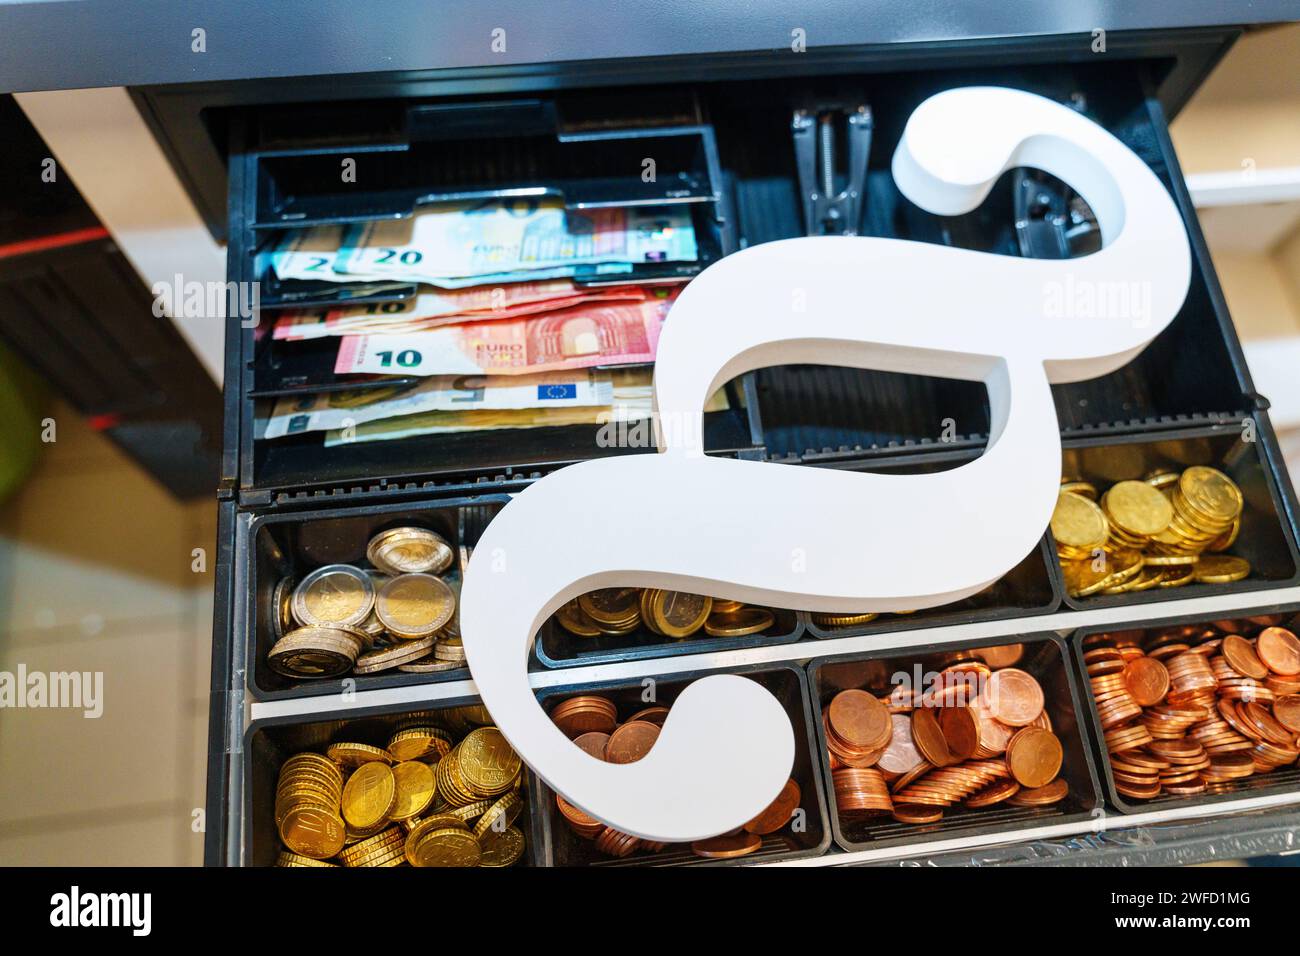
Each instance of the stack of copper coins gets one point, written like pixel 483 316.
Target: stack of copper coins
pixel 592 723
pixel 1198 707
pixel 976 736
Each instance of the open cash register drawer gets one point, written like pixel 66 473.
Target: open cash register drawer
pixel 731 144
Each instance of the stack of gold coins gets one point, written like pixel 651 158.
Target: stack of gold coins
pixel 976 737
pixel 423 799
pixel 396 615
pixel 591 722
pixel 1161 532
pixel 1211 706
pixel 308 798
pixel 673 614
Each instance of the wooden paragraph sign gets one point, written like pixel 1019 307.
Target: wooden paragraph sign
pixel 820 539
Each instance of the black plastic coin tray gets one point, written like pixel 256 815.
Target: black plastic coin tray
pixel 558 845
pixel 294 543
pixel 1267 537
pixel 271 741
pixel 878 672
pixel 556 647
pixel 1249 621
pixel 1026 590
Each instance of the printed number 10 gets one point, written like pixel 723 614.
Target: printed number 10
pixel 408 358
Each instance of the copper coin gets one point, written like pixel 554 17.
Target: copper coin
pixel 994 793
pixel 901 755
pixel 960 730
pixel 1003 655
pixel 929 739
pixel 593 743
pixel 652 715
pixel 1014 697
pixel 1053 792
pixel 778 812
pixel 859 718
pixel 1278 648
pixel 631 742
pixel 917 814
pixel 574 815
pixel 1286 710
pixel 1241 656
pixel 613 843
pixel 727 846
pixel 1034 757
pixel 1147 680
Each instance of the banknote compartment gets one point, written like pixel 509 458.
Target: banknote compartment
pixel 293 544
pixel 1044 658
pixel 1193 373
pixel 271 741
pixel 556 647
pixel 1028 589
pixel 1281 780
pixel 558 845
pixel 1267 537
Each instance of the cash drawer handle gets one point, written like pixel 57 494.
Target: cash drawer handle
pixel 792 536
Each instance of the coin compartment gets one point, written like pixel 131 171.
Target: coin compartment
pixel 556 647
pixel 1282 780
pixel 271 741
pixel 1267 537
pixel 1191 374
pixel 294 544
pixel 558 845
pixel 1026 590
pixel 1044 658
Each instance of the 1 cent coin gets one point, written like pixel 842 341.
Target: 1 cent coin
pixel 727 846
pixel 859 718
pixel 1278 648
pixel 1147 680
pixel 928 737
pixel 631 742
pixel 1241 657
pixel 778 812
pixel 1014 697
pixel 1286 711
pixel 960 730
pixel 1034 757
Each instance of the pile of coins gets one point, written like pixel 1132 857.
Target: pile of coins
pixel 977 736
pixel 396 614
pixel 591 722
pixel 1165 531
pixel 422 800
pixel 833 621
pixel 1196 708
pixel 672 614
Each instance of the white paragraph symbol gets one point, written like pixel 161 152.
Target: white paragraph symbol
pixel 681 521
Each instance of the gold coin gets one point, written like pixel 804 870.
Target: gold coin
pixel 1085 488
pixel 354 755
pixel 726 607
pixel 1210 492
pixel 335 595
pixel 415 789
pixel 487 761
pixel 415 605
pixel 312 832
pixel 1138 508
pixel 827 619
pixel 750 620
pixel 415 743
pixel 504 850
pixel 679 613
pixel 288 858
pixel 446 847
pixel 498 817
pixel 369 795
pixel 1221 569
pixel 575 620
pixel 409 551
pixel 1078 523
pixel 282 607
